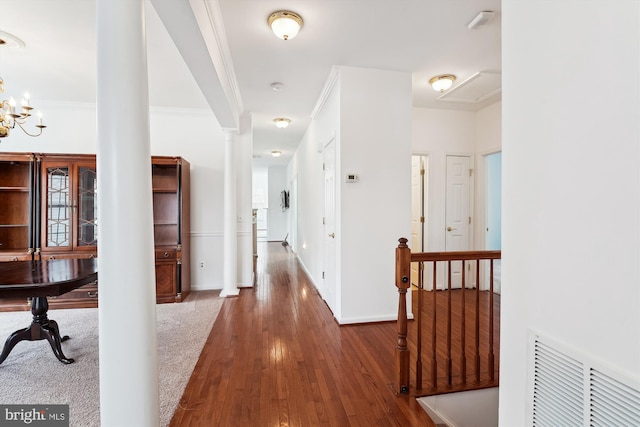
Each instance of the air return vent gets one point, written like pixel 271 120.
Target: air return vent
pixel 558 388
pixel 572 390
pixel 612 402
pixel 476 88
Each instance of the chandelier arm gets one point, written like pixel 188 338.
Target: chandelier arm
pixel 10 115
pixel 25 131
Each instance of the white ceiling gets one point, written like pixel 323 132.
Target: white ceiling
pixel 422 37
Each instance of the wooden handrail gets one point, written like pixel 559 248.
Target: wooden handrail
pixel 455 256
pixel 454 321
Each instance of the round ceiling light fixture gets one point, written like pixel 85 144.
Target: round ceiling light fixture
pixel 442 82
pixel 282 122
pixel 276 153
pixel 8 40
pixel 285 24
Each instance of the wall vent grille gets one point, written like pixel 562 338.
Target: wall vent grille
pixel 572 390
pixel 612 402
pixel 558 398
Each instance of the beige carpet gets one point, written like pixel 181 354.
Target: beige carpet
pixel 32 374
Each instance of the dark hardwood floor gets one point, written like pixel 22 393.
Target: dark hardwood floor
pixel 276 357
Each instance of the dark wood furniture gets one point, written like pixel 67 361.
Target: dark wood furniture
pixel 39 280
pixel 17 206
pixel 171 184
pixel 49 210
pixel 68 226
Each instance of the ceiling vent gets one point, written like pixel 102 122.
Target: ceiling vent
pixel 477 88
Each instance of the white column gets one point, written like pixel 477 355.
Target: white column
pixel 230 257
pixel 127 322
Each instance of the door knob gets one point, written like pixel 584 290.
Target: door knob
pixel 332 235
pixel 450 229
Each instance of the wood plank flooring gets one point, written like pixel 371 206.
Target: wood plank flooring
pixel 276 357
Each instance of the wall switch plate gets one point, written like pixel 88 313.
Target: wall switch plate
pixel 351 178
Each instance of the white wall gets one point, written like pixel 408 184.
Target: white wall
pixel 372 214
pixel 571 187
pixel 438 133
pixel 244 164
pixel 192 134
pixel 306 165
pixel 375 144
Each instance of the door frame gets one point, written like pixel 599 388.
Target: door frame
pixel 426 213
pixel 484 234
pixel 330 245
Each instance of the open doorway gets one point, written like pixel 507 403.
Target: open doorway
pixel 260 201
pixel 494 201
pixel 493 228
pixel 419 208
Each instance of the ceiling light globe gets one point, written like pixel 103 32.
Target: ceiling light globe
pixel 442 83
pixel 285 24
pixel 276 153
pixel 282 122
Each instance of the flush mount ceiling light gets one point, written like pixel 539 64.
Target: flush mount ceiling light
pixel 8 40
pixel 285 24
pixel 282 122
pixel 276 153
pixel 442 82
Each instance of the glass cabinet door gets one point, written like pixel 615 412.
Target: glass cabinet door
pixel 87 230
pixel 58 207
pixel 70 206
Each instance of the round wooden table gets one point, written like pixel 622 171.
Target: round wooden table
pixel 39 280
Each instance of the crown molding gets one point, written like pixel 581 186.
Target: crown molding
pixel 332 79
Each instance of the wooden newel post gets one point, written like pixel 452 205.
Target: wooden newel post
pixel 403 272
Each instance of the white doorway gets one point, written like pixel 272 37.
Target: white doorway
pixel 329 271
pixel 260 201
pixel 494 201
pixel 493 228
pixel 293 216
pixel 419 208
pixel 458 213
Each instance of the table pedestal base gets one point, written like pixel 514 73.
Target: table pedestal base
pixel 41 328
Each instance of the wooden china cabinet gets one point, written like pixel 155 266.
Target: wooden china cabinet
pixel 170 180
pixel 17 206
pixel 49 210
pixel 17 211
pixel 69 217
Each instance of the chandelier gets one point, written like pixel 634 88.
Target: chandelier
pixel 10 116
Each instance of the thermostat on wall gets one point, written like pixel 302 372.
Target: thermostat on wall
pixel 352 177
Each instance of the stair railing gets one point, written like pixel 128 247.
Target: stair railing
pixel 445 384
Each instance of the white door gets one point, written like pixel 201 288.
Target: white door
pixel 329 273
pixel 458 211
pixel 418 209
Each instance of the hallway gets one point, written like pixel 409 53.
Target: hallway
pixel 276 357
